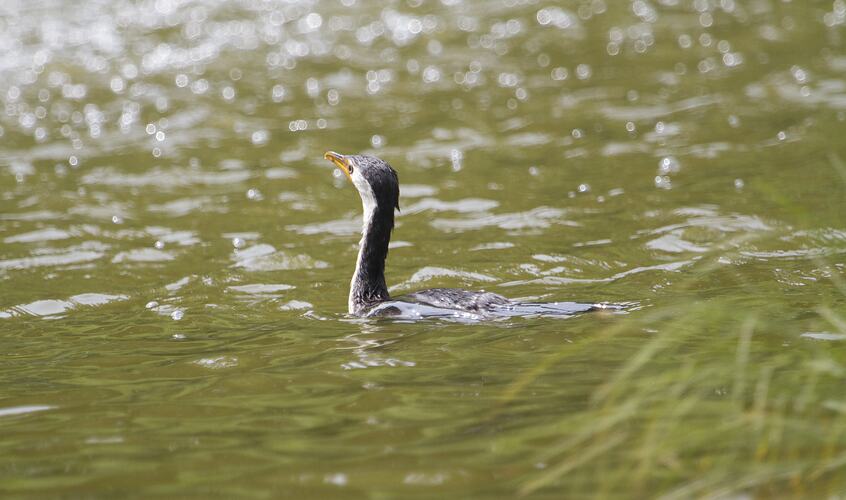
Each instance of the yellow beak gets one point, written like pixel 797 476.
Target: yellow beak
pixel 340 161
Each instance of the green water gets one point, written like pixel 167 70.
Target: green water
pixel 176 253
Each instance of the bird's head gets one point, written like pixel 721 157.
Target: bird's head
pixel 375 179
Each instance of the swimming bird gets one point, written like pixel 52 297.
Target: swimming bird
pixel 378 186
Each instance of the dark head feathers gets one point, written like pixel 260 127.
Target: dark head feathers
pixel 382 178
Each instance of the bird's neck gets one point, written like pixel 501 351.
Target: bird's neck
pixel 368 287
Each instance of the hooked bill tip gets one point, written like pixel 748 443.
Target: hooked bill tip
pixel 332 156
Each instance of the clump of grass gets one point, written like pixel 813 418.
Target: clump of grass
pixel 684 419
pixel 720 399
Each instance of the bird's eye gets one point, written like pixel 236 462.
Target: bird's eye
pixel 351 169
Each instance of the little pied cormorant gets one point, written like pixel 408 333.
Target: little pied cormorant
pixel 378 185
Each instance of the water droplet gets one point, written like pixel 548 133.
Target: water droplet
pixel 200 86
pixel 434 47
pixel 333 97
pixel 668 165
pixel 799 74
pixel 116 84
pixel 312 87
pixel 339 479
pixel 612 48
pixel 733 121
pixel 738 184
pixel 260 137
pixel 238 242
pixel 159 244
pixel 277 93
pixel 177 315
pixel 584 188
pixel 583 71
pixel 377 141
pixel 431 74
pixel 663 182
pixel 559 74
pixel 313 21
pixel 456 156
pixel 521 94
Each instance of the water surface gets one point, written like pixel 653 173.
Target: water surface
pixel 176 253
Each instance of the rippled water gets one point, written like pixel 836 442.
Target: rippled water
pixel 176 253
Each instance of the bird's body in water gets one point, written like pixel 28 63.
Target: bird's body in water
pixel 378 185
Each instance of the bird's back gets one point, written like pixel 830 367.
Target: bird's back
pixel 455 298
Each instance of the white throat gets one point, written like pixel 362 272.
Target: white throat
pixel 368 204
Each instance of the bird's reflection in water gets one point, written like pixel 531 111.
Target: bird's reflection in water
pixel 368 346
pixel 402 310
